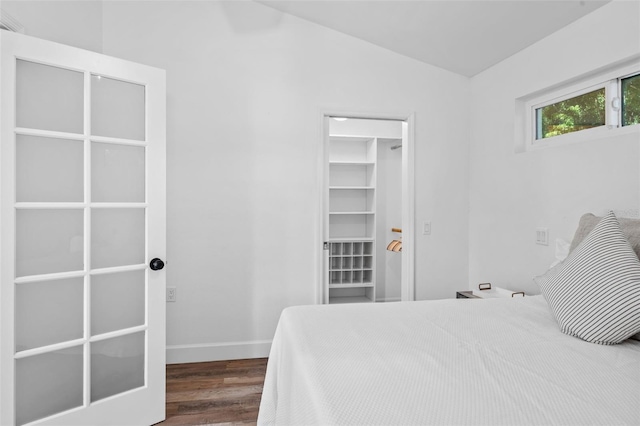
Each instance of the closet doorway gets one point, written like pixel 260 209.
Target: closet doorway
pixel 367 225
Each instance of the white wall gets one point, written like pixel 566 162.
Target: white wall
pixel 246 89
pixel 513 193
pixel 75 23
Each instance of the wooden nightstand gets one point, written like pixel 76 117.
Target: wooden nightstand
pixel 485 291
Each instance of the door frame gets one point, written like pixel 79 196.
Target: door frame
pixel 407 285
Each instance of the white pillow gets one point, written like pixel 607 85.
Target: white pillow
pixel 595 293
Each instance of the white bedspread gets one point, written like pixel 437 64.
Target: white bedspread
pixel 464 361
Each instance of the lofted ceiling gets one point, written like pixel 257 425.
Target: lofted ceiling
pixel 463 36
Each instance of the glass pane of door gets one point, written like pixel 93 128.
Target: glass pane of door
pixel 49 312
pixel 49 169
pixel 117 365
pixel 117 237
pixel 49 98
pixel 117 301
pixel 48 383
pixel 117 173
pixel 48 241
pixel 117 108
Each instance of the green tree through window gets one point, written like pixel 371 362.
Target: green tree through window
pixel 571 115
pixel 631 100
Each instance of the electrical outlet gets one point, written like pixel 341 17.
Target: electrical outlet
pixel 171 294
pixel 542 236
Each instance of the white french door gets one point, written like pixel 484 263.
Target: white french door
pixel 82 214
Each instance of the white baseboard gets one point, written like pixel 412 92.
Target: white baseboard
pixel 179 354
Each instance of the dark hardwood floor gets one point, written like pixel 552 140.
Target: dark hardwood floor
pixel 209 393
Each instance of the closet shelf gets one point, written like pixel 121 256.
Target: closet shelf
pixel 350 239
pixel 353 213
pixel 349 299
pixel 351 210
pixel 351 285
pixel 368 254
pixel 351 163
pixel 351 187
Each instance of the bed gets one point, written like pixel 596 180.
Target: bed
pixel 446 362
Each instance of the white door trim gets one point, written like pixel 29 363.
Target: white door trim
pixel 408 198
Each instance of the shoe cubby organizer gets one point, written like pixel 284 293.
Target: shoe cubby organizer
pixel 350 262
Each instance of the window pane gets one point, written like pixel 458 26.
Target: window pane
pixel 631 100
pixel 571 115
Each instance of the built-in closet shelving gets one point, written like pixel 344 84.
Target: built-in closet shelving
pixel 352 219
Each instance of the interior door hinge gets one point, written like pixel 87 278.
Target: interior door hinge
pixel 325 246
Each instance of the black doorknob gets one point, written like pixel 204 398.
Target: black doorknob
pixel 156 264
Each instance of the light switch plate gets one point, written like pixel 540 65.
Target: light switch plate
pixel 426 228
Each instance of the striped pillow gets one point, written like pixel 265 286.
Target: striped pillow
pixel 595 293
